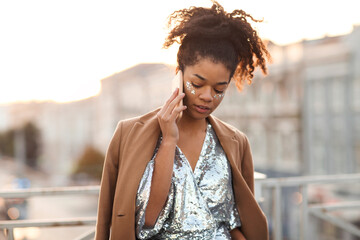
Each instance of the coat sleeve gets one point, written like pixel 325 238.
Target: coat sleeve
pixel 247 165
pixel 107 187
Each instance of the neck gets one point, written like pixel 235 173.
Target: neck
pixel 191 125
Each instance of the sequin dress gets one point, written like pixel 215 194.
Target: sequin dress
pixel 200 203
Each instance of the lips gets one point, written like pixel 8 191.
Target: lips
pixel 202 109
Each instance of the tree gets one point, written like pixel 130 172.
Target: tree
pixel 7 143
pixel 32 138
pixel 32 143
pixel 90 163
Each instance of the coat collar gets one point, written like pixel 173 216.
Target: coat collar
pixel 227 138
pixel 225 133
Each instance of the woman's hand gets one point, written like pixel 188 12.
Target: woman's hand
pixel 167 117
pixel 164 160
pixel 236 234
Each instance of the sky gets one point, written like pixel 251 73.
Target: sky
pixel 60 49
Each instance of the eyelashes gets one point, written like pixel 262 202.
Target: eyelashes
pixel 194 85
pixel 198 86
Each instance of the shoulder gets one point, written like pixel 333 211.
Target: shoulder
pixel 126 125
pixel 227 129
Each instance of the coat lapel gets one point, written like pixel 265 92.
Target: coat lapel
pixel 249 211
pixel 227 140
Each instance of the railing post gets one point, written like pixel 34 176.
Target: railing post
pixel 87 236
pixel 305 212
pixel 10 233
pixel 278 225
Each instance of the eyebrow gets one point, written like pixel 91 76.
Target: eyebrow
pixel 204 79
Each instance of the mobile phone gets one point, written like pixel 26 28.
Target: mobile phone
pixel 178 81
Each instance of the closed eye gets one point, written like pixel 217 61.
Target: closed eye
pixel 198 86
pixel 217 91
pixel 195 86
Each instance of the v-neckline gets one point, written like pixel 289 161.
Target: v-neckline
pixel 208 125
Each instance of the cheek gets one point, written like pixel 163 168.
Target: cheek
pixel 219 96
pixel 188 97
pixel 189 88
pixel 218 99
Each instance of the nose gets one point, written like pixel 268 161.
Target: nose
pixel 205 95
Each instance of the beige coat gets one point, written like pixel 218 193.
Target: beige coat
pixel 132 147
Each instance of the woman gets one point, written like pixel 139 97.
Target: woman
pixel 167 177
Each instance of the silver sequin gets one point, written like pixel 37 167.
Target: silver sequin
pixel 200 204
pixel 190 88
pixel 219 95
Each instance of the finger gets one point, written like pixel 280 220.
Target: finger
pixel 174 104
pixel 175 113
pixel 171 105
pixel 172 97
pixel 167 103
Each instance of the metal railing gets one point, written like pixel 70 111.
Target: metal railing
pixel 321 211
pixel 10 225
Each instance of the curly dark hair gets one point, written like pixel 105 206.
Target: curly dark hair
pixel 223 37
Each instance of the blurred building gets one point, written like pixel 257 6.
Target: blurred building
pixel 269 112
pixel 331 106
pixel 68 128
pixel 302 118
pixel 65 129
pixel 130 93
pixel 4 117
